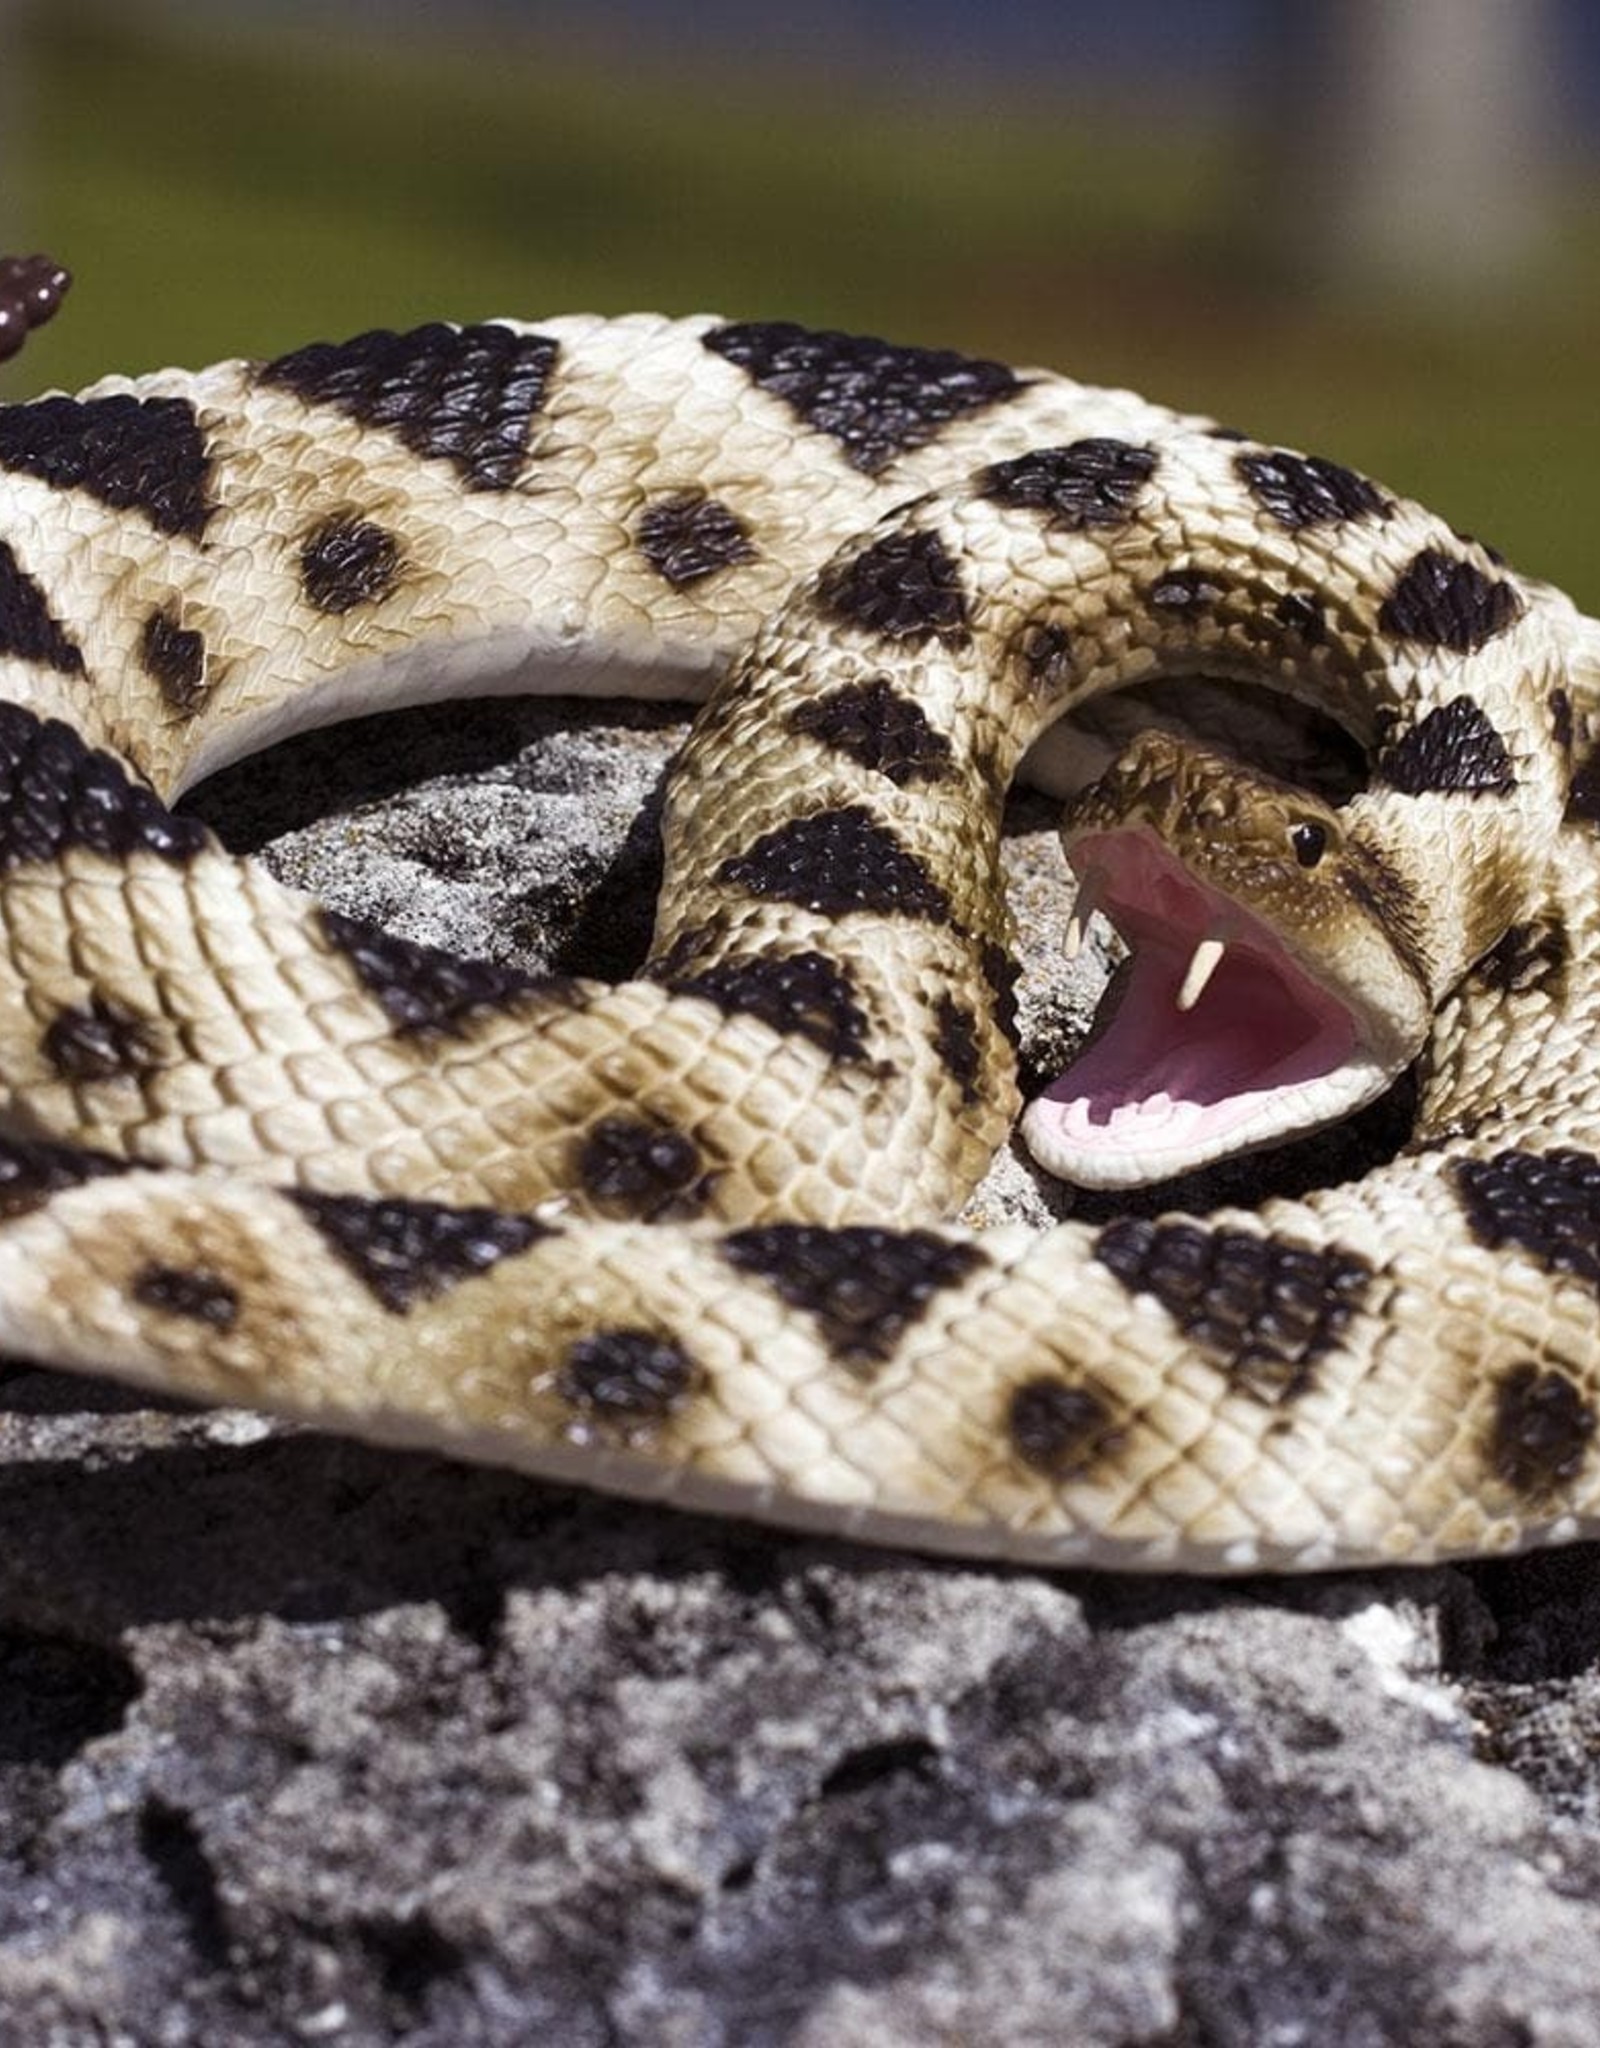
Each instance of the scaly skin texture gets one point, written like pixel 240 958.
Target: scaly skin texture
pixel 684 1237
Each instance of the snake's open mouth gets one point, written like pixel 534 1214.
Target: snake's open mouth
pixel 1212 1038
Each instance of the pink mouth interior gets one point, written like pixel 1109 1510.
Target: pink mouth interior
pixel 1175 1086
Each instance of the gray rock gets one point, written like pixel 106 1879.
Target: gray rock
pixel 302 1741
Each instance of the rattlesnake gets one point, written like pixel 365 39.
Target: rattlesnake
pixel 682 1237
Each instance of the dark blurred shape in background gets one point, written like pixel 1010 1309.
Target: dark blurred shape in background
pixel 1365 226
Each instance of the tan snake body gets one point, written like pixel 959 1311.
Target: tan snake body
pixel 683 1237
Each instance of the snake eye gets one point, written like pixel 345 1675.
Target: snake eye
pixel 1309 841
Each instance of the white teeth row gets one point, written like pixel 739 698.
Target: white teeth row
pixel 1203 963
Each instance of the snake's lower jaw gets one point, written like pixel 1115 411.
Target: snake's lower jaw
pixel 1155 1138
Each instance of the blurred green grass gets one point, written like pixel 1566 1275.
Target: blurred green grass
pixel 220 194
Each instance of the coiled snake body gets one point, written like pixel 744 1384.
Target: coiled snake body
pixel 683 1237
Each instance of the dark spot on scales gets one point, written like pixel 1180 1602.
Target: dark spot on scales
pixel 101 1040
pixel 836 862
pixel 1002 973
pixel 1057 1429
pixel 1546 1204
pixel 1369 881
pixel 805 994
pixel 196 1295
pixel 903 588
pixel 875 399
pixel 1304 490
pixel 1302 616
pixel 1454 748
pixel 348 562
pixel 1262 1308
pixel 405 1252
pixel 1185 590
pixel 626 1376
pixel 863 1286
pixel 425 991
pixel 689 536
pixel 636 1168
pixel 1528 957
pixel 1085 486
pixel 1541 1430
pixel 30 1174
pixel 1045 651
pixel 1561 720
pixel 1583 793
pixel 465 396
pixel 27 628
pixel 174 657
pixel 874 725
pixel 1443 601
pixel 144 455
pixel 955 1039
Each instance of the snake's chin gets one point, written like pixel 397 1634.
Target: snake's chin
pixel 1212 1038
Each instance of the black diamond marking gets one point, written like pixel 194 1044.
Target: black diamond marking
pixel 904 588
pixel 464 395
pixel 27 628
pixel 31 1173
pixel 1056 1428
pixel 425 991
pixel 100 1040
pixel 955 1040
pixel 805 994
pixel 1454 748
pixel 197 1295
pixel 56 793
pixel 134 454
pixel 836 862
pixel 863 1286
pixel 1304 490
pixel 635 1168
pixel 627 1376
pixel 875 399
pixel 1443 601
pixel 1541 1430
pixel 873 724
pixel 175 657
pixel 349 562
pixel 1088 485
pixel 1547 1204
pixel 406 1252
pixel 690 536
pixel 1263 1308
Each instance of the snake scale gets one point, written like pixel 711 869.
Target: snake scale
pixel 684 1237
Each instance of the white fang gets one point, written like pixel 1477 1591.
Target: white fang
pixel 1202 965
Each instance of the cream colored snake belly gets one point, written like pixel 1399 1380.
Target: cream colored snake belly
pixel 684 1237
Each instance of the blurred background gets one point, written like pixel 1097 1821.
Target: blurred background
pixel 1367 227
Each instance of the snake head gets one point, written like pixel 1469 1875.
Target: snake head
pixel 1272 982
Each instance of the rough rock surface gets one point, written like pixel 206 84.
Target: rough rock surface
pixel 306 1742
